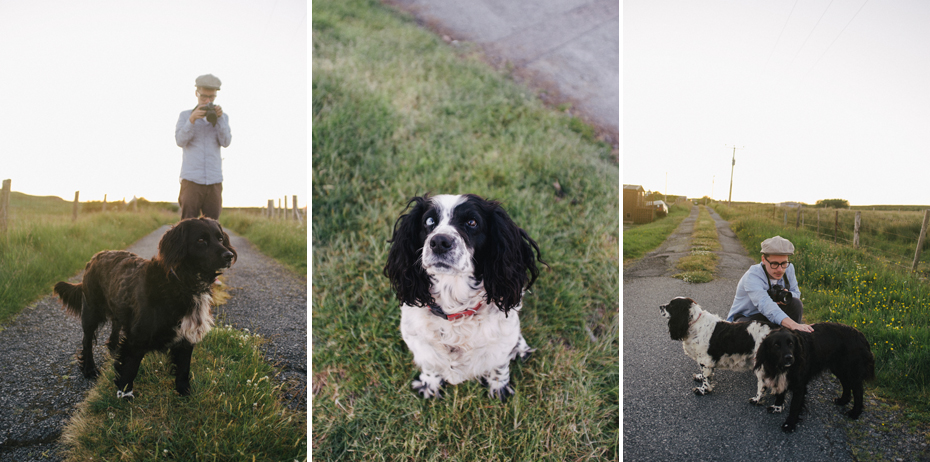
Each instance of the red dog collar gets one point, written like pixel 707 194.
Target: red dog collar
pixel 435 309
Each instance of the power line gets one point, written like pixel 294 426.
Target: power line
pixel 837 38
pixel 780 34
pixel 811 33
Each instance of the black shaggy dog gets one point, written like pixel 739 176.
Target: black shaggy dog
pixel 789 360
pixel 158 304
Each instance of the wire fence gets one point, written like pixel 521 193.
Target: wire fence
pixel 895 235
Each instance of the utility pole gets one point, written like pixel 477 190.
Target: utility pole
pixel 732 167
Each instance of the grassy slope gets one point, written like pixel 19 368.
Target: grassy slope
pixel 397 113
pixel 642 239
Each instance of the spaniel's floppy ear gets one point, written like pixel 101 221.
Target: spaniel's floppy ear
pixel 506 257
pixel 172 248
pixel 678 321
pixel 403 268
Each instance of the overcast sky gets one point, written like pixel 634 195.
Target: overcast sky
pixel 823 99
pixel 90 93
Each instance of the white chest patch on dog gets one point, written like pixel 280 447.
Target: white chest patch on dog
pixel 195 326
pixel 777 384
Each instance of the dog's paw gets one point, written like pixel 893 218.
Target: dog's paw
pixel 503 392
pixel 426 390
pixel 525 356
pixel 840 401
pixel 700 391
pixel 127 395
pixel 698 377
pixel 755 400
pixel 776 409
pixel 788 426
pixel 854 414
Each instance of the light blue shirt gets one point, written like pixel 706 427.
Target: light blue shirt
pixel 201 143
pixel 752 294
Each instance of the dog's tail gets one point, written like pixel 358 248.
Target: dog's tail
pixel 71 296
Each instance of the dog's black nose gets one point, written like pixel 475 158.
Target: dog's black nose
pixel 228 256
pixel 440 244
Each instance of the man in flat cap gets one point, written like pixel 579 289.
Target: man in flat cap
pixel 200 132
pixel 769 291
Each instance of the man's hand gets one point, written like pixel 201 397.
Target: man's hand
pixel 219 111
pixel 789 323
pixel 197 114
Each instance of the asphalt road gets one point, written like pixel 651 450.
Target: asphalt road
pixel 662 419
pixel 569 50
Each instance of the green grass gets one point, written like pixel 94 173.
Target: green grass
pixel 699 266
pixel 232 414
pixel 889 305
pixel 283 240
pixel 642 239
pixel 43 246
pixel 397 113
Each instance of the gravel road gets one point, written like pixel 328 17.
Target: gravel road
pixel 662 419
pixel 40 384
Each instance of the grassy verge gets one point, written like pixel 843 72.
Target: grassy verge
pixel 842 284
pixel 232 414
pixel 699 266
pixel 396 113
pixel 43 247
pixel 642 239
pixel 285 241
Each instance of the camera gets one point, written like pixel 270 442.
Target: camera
pixel 211 113
pixel 780 295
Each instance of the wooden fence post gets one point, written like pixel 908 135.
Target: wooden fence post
pixel 5 206
pixel 920 239
pixel 798 222
pixel 286 216
pixel 270 208
pixel 786 218
pixel 104 203
pixel 836 226
pixel 74 210
pixel 856 230
pixel 818 222
pixel 294 206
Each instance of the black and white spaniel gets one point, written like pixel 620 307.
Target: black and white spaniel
pixel 713 342
pixel 459 266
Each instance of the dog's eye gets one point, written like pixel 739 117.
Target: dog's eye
pixel 471 223
pixel 430 221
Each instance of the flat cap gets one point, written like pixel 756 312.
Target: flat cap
pixel 208 81
pixel 777 246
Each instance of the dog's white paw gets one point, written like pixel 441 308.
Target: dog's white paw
pixel 776 409
pixel 698 377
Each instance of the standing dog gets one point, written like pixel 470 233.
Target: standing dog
pixel 713 342
pixel 157 304
pixel 459 265
pixel 789 360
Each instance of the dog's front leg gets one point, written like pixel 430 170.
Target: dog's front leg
pixel 127 367
pixel 760 387
pixel 794 412
pixel 181 357
pixel 428 384
pixel 498 382
pixel 707 375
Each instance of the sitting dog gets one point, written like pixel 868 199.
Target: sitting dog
pixel 789 360
pixel 158 304
pixel 459 265
pixel 713 342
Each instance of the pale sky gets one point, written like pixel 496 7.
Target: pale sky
pixel 824 99
pixel 90 92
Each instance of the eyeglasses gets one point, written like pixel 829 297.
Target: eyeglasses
pixel 776 265
pixel 209 97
